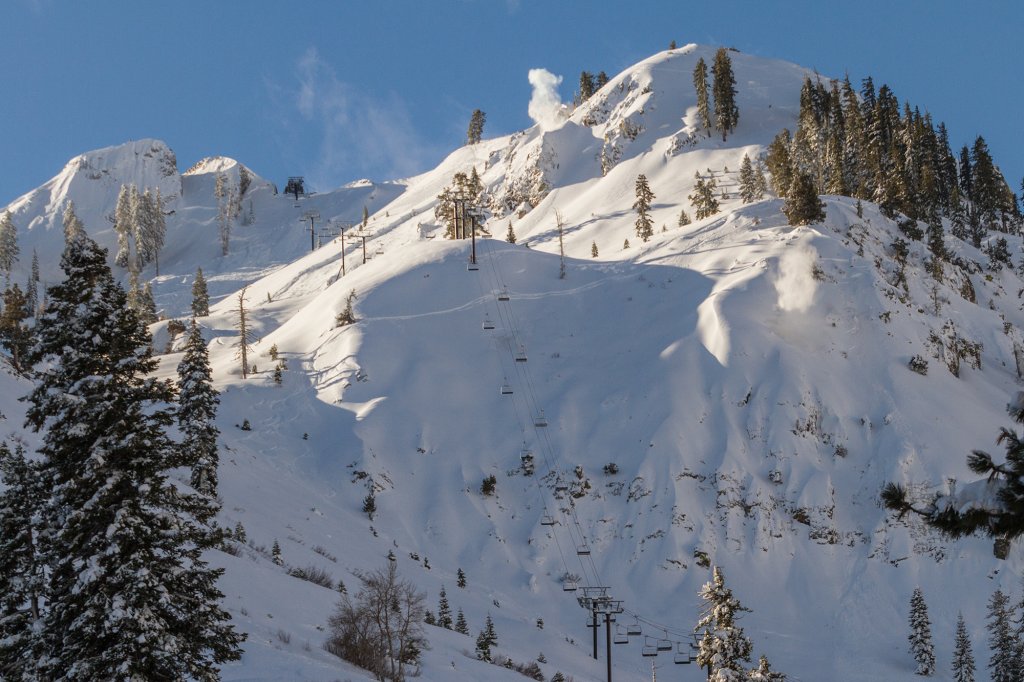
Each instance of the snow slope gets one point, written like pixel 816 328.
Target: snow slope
pixel 748 379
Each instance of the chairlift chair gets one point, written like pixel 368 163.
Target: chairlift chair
pixel 634 629
pixel 525 455
pixel 379 251
pixel 681 657
pixel 561 486
pixel 503 294
pixel 569 586
pixel 665 645
pixel 521 353
pixel 506 389
pixel 649 651
pixel 620 636
pixel 541 421
pixel 584 550
pixel 488 325
pixel 547 520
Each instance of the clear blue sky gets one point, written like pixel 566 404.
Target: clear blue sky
pixel 342 89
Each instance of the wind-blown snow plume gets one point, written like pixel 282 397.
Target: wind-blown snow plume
pixel 796 284
pixel 545 104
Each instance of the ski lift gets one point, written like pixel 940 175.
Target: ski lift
pixel 634 629
pixel 488 325
pixel 472 266
pixel 503 294
pixel 584 550
pixel 649 651
pixel 664 645
pixel 521 353
pixel 682 657
pixel 506 389
pixel 547 520
pixel 380 250
pixel 525 455
pixel 620 637
pixel 569 586
pixel 540 421
pixel 561 486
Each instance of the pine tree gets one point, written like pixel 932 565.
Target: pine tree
pixel 963 656
pixel 802 205
pixel 148 605
pixel 642 205
pixel 510 236
pixel 486 640
pixel 727 114
pixel 600 80
pixel 72 225
pixel 225 199
pixel 147 306
pixel 684 218
pixel 593 249
pixel 124 226
pixel 764 673
pixel 15 335
pixel 723 646
pixel 625 244
pixel 21 572
pixel 586 86
pixel 200 296
pixel 1003 663
pixel 8 244
pixel 32 289
pixel 152 228
pixel 921 634
pixel 700 84
pixel 703 198
pixel 370 505
pixel 244 343
pixel 197 413
pixel 748 182
pixel 275 553
pixel 460 623
pixel 780 163
pixel 476 127
pixel 347 316
pixel 460 579
pixel 444 612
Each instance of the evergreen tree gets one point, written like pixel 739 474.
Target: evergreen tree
pixel 21 573
pixel 642 205
pixel 703 198
pixel 600 80
pixel 244 343
pixel 8 244
pixel 197 413
pixel 460 623
pixel 347 316
pixel 510 236
pixel 124 226
pixel 225 200
pixel 152 228
pixel 460 579
pixel 780 164
pixel 586 86
pixel 700 84
pixel 593 249
pixel 684 219
pixel 444 612
pixel 147 306
pixel 802 205
pixel 723 646
pixel 936 243
pixel 921 634
pixel 764 673
pixel 275 553
pixel 749 189
pixel 1003 664
pixel 15 335
pixel 200 296
pixel 32 289
pixel 72 225
pixel 147 608
pixel 963 656
pixel 370 505
pixel 486 640
pixel 476 127
pixel 727 114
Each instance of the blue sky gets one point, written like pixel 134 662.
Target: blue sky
pixel 339 90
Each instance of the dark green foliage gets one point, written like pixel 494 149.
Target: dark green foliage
pixel 750 189
pixel 700 84
pixel 510 236
pixel 8 244
pixel 15 335
pixel 587 86
pixel 593 249
pixel 1004 661
pixel 963 655
pixel 346 316
pixel 489 484
pixel 803 206
pixel 197 414
pixel 600 80
pixel 999 254
pixel 684 219
pixel 200 296
pixel 460 623
pixel 486 640
pixel 105 455
pixel 275 553
pixel 1004 483
pixel 703 198
pixel 240 532
pixel 780 164
pixel 727 114
pixel 921 634
pixel 476 127
pixel 370 505
pixel 642 206
pixel 460 578
pixel 444 611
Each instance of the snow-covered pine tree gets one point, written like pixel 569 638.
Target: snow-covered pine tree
pixel 21 572
pixel 147 312
pixel 723 646
pixel 197 411
pixel 921 634
pixel 764 673
pixel 727 114
pixel 703 197
pixel 476 127
pixel 225 199
pixel 684 219
pixel 200 295
pixel 8 244
pixel 124 226
pixel 460 623
pixel 460 579
pixel 72 225
pixel 642 206
pixel 486 640
pixel 15 335
pixel 1003 664
pixel 963 655
pixel 275 553
pixel 147 607
pixel 700 84
pixel 151 228
pixel 444 611
pixel 593 249
pixel 802 205
pixel 510 236
pixel 748 181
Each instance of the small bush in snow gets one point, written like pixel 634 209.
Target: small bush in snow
pixel 313 574
pixel 488 485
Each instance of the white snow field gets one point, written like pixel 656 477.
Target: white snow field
pixel 747 378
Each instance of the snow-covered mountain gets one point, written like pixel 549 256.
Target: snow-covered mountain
pixel 733 392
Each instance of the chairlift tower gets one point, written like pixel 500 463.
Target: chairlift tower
pixel 311 216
